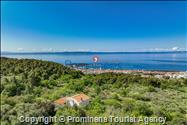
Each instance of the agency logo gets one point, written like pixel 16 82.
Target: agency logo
pixel 95 59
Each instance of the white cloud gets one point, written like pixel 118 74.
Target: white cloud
pixel 166 49
pixel 175 48
pixel 76 50
pixel 48 50
pixel 20 49
pixel 83 50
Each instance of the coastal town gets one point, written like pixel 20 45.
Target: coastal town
pixel 143 73
pixel 95 68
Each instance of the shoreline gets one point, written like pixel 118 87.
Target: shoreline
pixel 144 73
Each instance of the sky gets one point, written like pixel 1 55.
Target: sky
pixel 33 26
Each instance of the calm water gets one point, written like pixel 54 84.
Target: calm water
pixel 173 61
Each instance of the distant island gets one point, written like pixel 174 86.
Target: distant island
pixel 90 52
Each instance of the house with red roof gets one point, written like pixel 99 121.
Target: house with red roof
pixel 76 100
pixel 61 101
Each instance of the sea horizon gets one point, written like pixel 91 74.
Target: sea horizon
pixel 162 61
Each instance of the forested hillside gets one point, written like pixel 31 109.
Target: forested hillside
pixel 41 69
pixel 29 87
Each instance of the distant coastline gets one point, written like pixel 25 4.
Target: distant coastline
pixel 89 52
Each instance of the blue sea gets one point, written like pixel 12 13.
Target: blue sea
pixel 161 61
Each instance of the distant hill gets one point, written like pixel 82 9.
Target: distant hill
pixel 80 52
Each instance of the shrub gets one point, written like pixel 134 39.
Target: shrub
pixel 144 109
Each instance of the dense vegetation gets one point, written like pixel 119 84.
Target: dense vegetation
pixel 29 87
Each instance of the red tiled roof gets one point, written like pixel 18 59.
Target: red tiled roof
pixel 61 101
pixel 80 97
